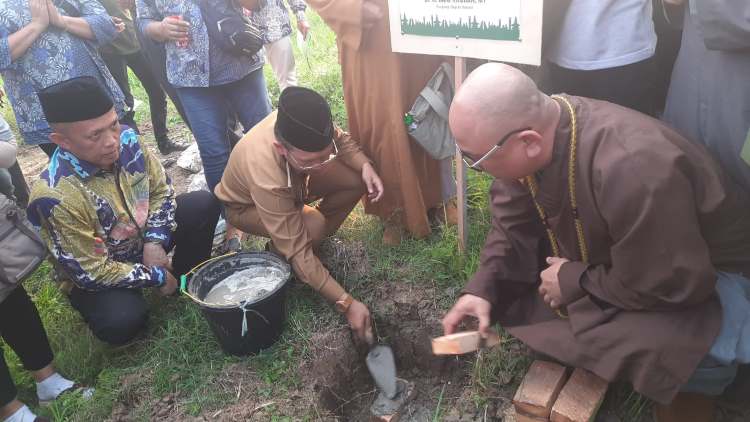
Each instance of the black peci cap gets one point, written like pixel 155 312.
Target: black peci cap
pixel 304 119
pixel 74 100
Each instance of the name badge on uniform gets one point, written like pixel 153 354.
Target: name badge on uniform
pixel 745 154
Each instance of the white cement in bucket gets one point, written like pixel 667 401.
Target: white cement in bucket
pixel 247 285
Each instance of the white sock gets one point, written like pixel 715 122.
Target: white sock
pixel 24 414
pixel 51 387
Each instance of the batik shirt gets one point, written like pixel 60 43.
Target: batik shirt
pixel 95 236
pixel 200 64
pixel 54 57
pixel 273 18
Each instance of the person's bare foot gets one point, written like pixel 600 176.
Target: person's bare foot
pixel 446 213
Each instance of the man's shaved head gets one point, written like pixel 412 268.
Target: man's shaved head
pixel 494 100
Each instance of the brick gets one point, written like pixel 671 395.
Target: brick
pixel 539 389
pixel 580 399
pixel 520 417
pixel 461 343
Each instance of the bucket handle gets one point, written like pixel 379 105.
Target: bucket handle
pixel 243 306
pixel 184 277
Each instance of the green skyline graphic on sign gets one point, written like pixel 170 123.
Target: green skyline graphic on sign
pixel 472 28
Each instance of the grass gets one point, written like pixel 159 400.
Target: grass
pixel 179 355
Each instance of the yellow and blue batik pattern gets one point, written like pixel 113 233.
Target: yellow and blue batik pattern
pixel 87 226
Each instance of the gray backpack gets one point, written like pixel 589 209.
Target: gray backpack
pixel 427 121
pixel 21 248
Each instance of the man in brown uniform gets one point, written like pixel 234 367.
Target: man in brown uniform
pixel 379 87
pixel 608 230
pixel 293 157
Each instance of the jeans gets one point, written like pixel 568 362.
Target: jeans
pixel 116 316
pixel 732 346
pixel 208 110
pixel 22 330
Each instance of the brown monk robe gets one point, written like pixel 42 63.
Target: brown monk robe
pixel 379 87
pixel 658 218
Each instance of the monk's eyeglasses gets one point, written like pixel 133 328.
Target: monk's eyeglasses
pixel 330 158
pixel 474 164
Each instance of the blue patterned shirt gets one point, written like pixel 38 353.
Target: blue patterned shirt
pixel 54 57
pixel 199 64
pixel 88 226
pixel 273 18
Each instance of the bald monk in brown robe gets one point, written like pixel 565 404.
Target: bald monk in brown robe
pixel 379 87
pixel 637 297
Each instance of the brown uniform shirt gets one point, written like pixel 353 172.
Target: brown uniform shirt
pixel 659 219
pixel 256 176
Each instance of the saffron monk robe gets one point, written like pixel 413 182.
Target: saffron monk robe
pixel 107 211
pixel 294 157
pixel 616 245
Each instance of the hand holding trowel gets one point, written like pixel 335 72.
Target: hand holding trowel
pixel 382 366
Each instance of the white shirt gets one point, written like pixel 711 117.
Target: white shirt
pixel 602 34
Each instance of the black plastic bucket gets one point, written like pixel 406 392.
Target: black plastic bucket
pixel 264 317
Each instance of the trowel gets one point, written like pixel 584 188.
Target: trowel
pixel 382 366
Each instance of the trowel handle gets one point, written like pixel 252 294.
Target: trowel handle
pixel 369 337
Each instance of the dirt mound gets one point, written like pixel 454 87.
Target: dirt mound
pixel 405 320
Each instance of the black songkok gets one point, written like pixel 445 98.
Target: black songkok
pixel 304 119
pixel 74 100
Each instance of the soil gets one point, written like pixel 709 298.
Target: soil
pixel 335 384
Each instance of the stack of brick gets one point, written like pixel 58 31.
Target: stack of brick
pixel 546 394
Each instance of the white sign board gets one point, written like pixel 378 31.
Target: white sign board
pixel 500 30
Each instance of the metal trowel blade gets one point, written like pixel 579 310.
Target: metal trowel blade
pixel 382 367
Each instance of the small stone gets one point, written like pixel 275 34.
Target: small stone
pixel 168 162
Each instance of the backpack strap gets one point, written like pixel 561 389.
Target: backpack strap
pixel 431 93
pixel 436 102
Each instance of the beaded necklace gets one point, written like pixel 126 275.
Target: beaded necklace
pixel 534 189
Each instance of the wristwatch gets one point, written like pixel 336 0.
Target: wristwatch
pixel 344 302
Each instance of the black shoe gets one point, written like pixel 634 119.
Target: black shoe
pixel 229 246
pixel 167 145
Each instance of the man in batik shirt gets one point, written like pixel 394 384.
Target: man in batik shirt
pixel 107 211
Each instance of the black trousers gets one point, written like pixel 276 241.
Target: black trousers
pixel 156 57
pixel 116 316
pixel 21 188
pixel 157 99
pixel 630 86
pixel 22 330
